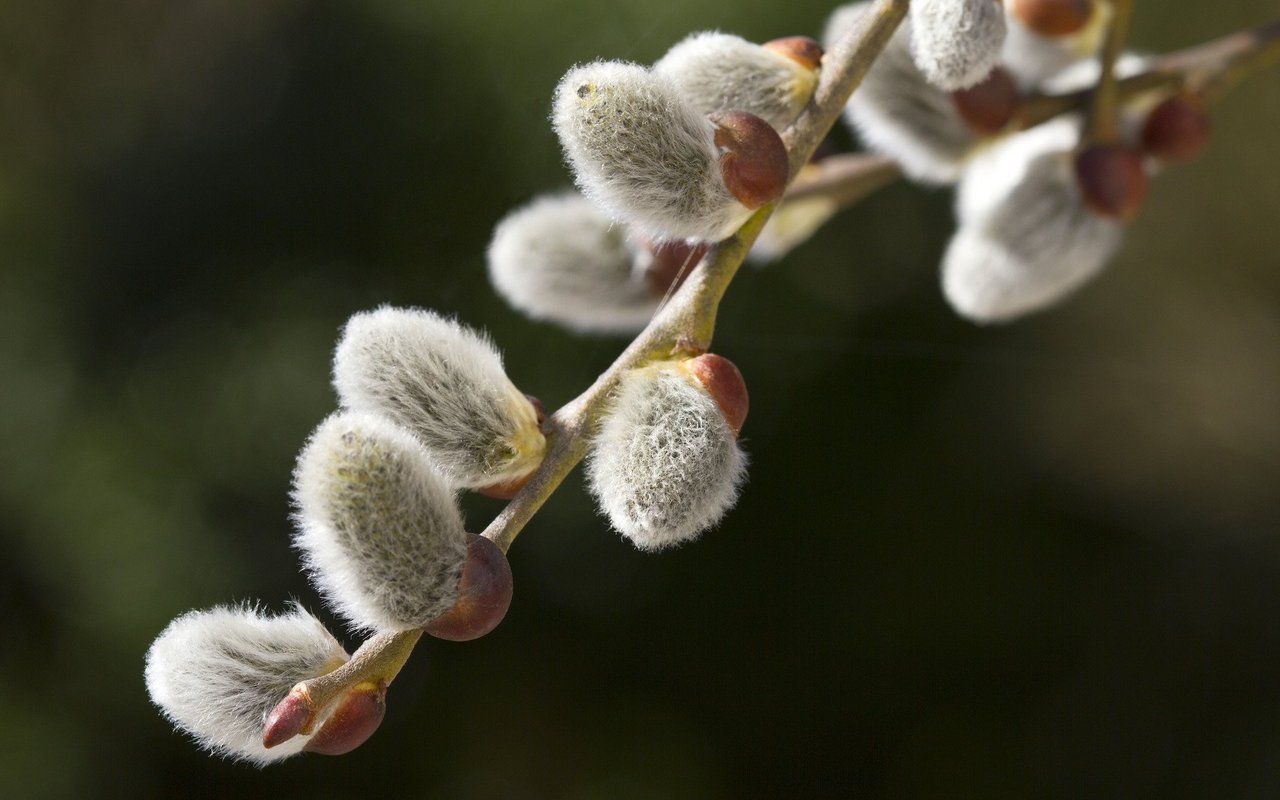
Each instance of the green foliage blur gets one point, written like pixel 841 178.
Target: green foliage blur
pixel 1039 560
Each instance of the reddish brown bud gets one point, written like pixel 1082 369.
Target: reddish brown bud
pixel 484 594
pixel 357 715
pixel 1176 130
pixel 505 490
pixel 1053 17
pixel 290 717
pixel 539 410
pixel 754 162
pixel 988 106
pixel 722 380
pixel 800 49
pixel 1111 179
pixel 670 264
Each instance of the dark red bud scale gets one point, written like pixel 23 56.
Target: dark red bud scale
pixel 505 490
pixel 484 594
pixel 357 715
pixel 539 410
pixel 1112 180
pixel 670 264
pixel 1053 17
pixel 290 717
pixel 800 49
pixel 754 162
pixel 1176 130
pixel 988 106
pixel 722 380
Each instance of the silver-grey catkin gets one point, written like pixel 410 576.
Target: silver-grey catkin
pixel 665 465
pixel 562 259
pixel 638 148
pixel 445 383
pixel 216 673
pixel 380 532
pixel 722 72
pixel 956 43
pixel 896 111
pixel 1025 239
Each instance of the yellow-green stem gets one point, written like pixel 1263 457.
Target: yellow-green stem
pixel 684 326
pixel 379 658
pixel 1104 110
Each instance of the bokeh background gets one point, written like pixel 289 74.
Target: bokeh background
pixel 1039 560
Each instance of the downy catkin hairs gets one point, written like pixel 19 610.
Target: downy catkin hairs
pixel 379 529
pixel 216 673
pixel 446 384
pixel 666 464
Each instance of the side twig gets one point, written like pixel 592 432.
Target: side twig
pixel 1209 69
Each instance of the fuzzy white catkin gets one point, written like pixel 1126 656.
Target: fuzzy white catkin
pixel 1025 239
pixel 379 530
pixel 644 153
pixel 995 172
pixel 216 673
pixel 722 72
pixel 897 112
pixel 956 43
pixel 665 465
pixel 1031 58
pixel 562 259
pixel 445 383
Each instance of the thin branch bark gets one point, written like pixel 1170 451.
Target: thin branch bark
pixel 684 326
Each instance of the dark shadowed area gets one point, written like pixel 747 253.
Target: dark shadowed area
pixel 1034 560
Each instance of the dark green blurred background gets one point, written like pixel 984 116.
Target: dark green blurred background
pixel 1041 560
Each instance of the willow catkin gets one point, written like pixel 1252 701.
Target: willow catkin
pixel 665 465
pixel 216 673
pixel 638 148
pixel 379 530
pixel 445 383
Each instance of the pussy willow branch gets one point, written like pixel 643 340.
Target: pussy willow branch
pixel 1209 69
pixel 683 326
pixel 378 659
pixel 843 67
